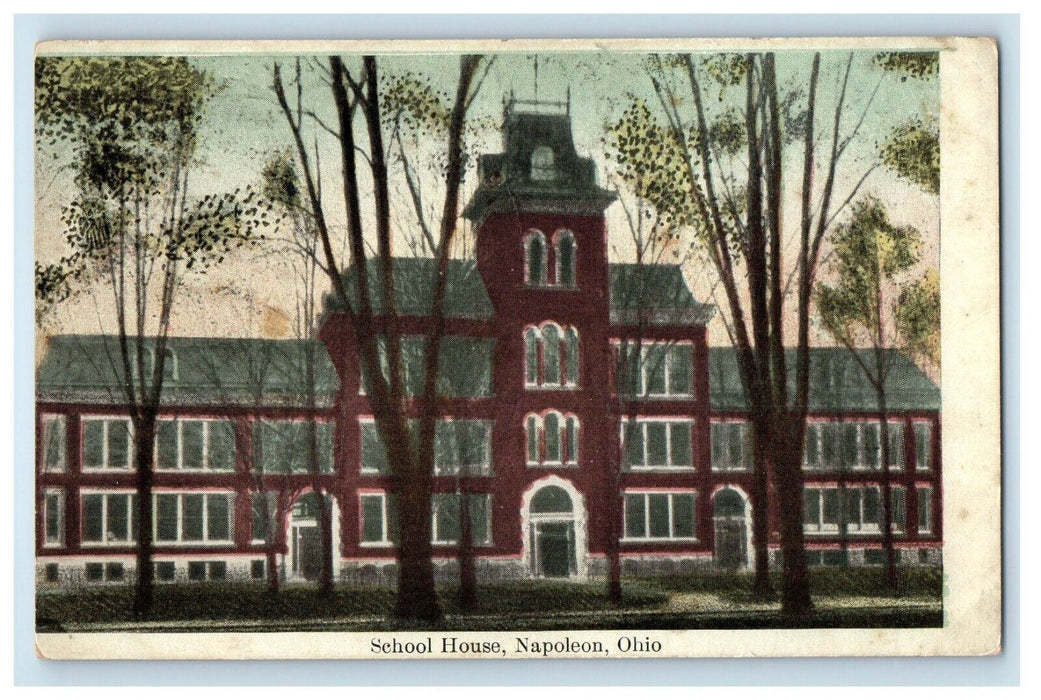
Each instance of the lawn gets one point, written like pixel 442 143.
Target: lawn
pixel 708 600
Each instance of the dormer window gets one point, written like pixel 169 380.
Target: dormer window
pixel 543 166
pixel 169 365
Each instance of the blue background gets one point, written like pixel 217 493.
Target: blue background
pixel 1002 669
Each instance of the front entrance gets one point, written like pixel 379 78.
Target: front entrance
pixel 731 534
pixel 552 533
pixel 307 552
pixel 554 549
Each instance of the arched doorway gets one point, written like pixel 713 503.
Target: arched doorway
pixel 731 528
pixel 304 537
pixel 554 521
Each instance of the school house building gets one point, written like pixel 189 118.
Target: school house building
pixel 566 379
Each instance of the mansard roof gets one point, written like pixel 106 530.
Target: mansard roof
pixel 837 382
pixel 655 295
pixel 209 371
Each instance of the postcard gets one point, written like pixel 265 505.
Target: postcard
pixel 517 349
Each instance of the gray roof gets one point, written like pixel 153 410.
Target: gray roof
pixel 506 182
pixel 466 296
pixel 654 294
pixel 837 382
pixel 210 371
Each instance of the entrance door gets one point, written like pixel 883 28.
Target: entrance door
pixel 554 547
pixel 307 559
pixel 730 532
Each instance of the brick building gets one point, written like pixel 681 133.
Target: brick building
pixel 548 409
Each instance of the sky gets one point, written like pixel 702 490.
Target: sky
pixel 248 296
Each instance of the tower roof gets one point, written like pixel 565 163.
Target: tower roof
pixel 539 168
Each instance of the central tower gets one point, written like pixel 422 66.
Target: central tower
pixel 542 253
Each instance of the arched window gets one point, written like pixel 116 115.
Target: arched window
pixel 542 164
pixel 565 257
pixel 552 439
pixel 551 499
pixel 535 259
pixel 551 356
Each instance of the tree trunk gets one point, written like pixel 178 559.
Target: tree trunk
pixel 795 598
pixel 417 597
pixel 325 514
pixel 467 573
pixel 144 455
pixel 760 514
pixel 614 555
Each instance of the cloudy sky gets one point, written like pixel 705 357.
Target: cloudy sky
pixel 244 125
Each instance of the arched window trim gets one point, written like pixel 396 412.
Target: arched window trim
pixel 568 439
pixel 567 355
pixel 533 235
pixel 560 238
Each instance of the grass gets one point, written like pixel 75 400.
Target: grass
pixel 706 600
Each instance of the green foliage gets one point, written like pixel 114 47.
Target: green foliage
pixel 726 70
pixel 651 159
pixel 869 253
pixel 411 100
pixel 919 317
pixel 727 132
pixel 280 184
pixel 909 64
pixel 912 151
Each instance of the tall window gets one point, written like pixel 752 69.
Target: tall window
pixel 925 510
pixel 542 164
pixel 657 369
pixel 923 446
pixel 108 518
pixel 379 519
pixel 106 443
pixel 53 443
pixel 284 446
pixel 54 518
pixel 551 357
pixel 203 445
pixel 823 508
pixel 731 446
pixel 193 518
pixel 658 444
pixel 264 507
pixel 565 257
pixel 851 445
pixel 552 439
pixel 659 516
pixel 446 512
pixel 535 259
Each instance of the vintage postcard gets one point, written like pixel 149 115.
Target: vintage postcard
pixel 521 349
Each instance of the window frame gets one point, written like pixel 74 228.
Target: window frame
pixel 858 527
pixel 927 500
pixel 105 466
pixel 642 377
pixel 568 440
pixel 923 446
pixel 434 520
pixel 668 422
pixel 835 430
pixel 569 356
pixel 561 237
pixel 671 494
pixel 206 540
pixel 105 495
pixel 257 467
pixel 385 529
pixel 207 424
pixel 744 463
pixel 529 281
pixel 59 539
pixel 46 421
pixel 483 469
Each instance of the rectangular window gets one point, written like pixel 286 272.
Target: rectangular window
pixel 285 447
pixel 925 510
pixel 106 443
pixel 660 370
pixel 257 569
pixel 446 511
pixel 263 507
pixel 378 519
pixel 652 444
pixel 731 446
pixel 923 446
pixel 53 442
pixel 825 510
pixel 462 447
pixel 108 518
pixel 373 455
pixel 896 445
pixel 830 445
pixel 165 571
pixel 195 445
pixel 659 515
pixel 193 518
pixel 812 449
pixel 54 518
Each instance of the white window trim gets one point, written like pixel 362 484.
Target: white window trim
pixel 206 468
pixel 487 514
pixel 205 541
pixel 669 345
pixel 482 469
pixel 531 235
pixel 852 528
pixel 744 464
pixel 540 431
pixel 569 383
pixel 928 500
pixel 105 467
pixel 384 522
pixel 917 426
pixel 319 422
pixel 644 467
pixel 647 515
pixel 63 461
pixel 861 464
pixel 60 540
pixel 558 238
pixel 274 515
pixel 105 541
